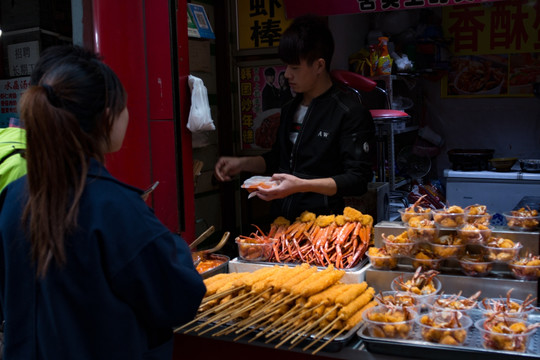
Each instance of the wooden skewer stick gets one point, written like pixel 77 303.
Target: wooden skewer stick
pixel 321 334
pixel 251 330
pixel 301 336
pixel 282 330
pixel 221 294
pixel 233 315
pixel 217 308
pixel 292 312
pixel 294 332
pixel 259 318
pixel 329 341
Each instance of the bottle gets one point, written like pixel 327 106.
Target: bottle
pixel 384 63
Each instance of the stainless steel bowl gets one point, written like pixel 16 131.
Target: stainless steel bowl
pixel 529 165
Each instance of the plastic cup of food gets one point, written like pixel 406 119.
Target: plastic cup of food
pixel 453 302
pixel 493 338
pixel 389 322
pixel 475 266
pixel 383 262
pixel 425 263
pixel 398 249
pixel 447 251
pixel 449 220
pixel 425 294
pixel 502 254
pixel 523 271
pixel 398 298
pixel 522 223
pixel 409 215
pixel 474 233
pixel 249 250
pixel 483 219
pixel 426 231
pixel 444 327
pixel 505 307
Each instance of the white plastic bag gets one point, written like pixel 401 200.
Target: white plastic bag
pixel 200 118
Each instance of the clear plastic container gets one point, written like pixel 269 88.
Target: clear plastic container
pixel 501 254
pixel 494 340
pixel 475 267
pixel 524 271
pixel 449 220
pixel 426 231
pixel 454 302
pixel 381 322
pixel 522 223
pixel 444 327
pixel 448 251
pixel 483 219
pixel 425 294
pixel 474 233
pixel 398 298
pixel 383 262
pixel 398 248
pixel 505 307
pixel 408 215
pixel 426 264
pixel 252 251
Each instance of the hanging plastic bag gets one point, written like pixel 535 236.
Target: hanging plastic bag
pixel 200 118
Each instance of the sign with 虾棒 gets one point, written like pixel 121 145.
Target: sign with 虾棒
pixel 10 95
pixel 495 49
pixel 260 23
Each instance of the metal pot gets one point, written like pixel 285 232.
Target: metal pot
pixel 529 165
pixel 470 159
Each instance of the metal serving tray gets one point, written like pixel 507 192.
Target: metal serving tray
pixel 221 268
pixel 471 349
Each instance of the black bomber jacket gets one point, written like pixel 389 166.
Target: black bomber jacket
pixel 335 140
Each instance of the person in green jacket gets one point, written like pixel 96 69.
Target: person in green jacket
pixel 12 147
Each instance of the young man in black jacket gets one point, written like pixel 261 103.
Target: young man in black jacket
pixel 322 149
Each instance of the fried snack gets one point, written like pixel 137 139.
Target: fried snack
pixel 448 246
pixel 357 317
pixel 306 272
pixel 523 218
pixel 507 334
pixel 326 296
pixel 390 322
pixel 318 282
pixel 347 311
pixel 527 267
pixel 423 230
pixel 474 233
pixel 446 327
pixel 351 292
pixel 475 264
pixel 214 286
pixel 399 245
pixel 426 259
pixel 501 249
pixel 450 217
pixel 380 259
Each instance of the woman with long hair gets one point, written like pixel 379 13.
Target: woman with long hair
pixel 86 269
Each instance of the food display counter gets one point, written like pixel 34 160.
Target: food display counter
pixel 359 344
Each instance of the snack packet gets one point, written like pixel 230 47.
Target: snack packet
pixel 258 182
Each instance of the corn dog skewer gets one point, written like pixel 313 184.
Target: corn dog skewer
pixel 292 312
pixel 287 327
pixel 347 327
pixel 301 336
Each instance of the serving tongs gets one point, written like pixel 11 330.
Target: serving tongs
pixel 200 255
pixel 202 237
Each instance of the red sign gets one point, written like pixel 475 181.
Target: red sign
pixel 294 8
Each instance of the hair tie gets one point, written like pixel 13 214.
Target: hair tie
pixel 51 96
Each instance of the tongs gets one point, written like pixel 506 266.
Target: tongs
pixel 200 255
pixel 202 237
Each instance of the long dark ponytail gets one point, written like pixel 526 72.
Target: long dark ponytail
pixel 68 118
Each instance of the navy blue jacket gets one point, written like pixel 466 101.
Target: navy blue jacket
pixel 127 282
pixel 333 142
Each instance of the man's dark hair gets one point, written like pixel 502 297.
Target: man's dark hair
pixel 307 38
pixel 269 71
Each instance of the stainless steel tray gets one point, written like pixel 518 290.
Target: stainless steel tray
pixel 357 267
pixel 471 349
pixel 221 268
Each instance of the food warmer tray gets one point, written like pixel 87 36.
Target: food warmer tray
pixel 335 345
pixel 353 275
pixel 471 349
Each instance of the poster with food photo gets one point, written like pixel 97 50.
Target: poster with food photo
pixel 263 89
pixel 477 76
